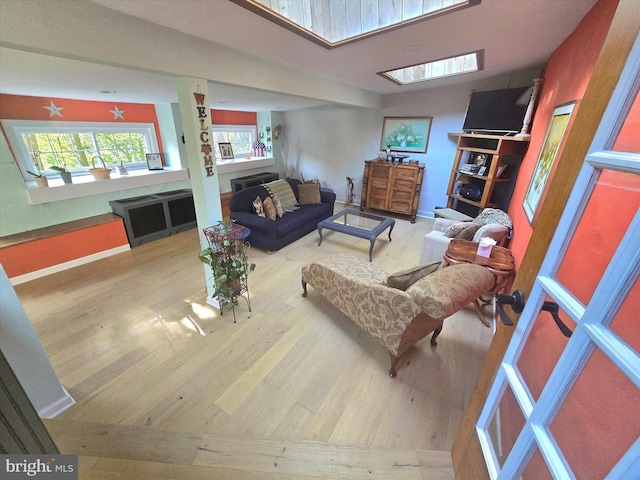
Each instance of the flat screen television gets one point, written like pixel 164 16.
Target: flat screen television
pixel 497 111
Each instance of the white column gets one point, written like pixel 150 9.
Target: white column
pixel 195 112
pixel 22 349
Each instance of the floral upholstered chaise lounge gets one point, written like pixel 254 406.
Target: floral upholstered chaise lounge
pixel 400 309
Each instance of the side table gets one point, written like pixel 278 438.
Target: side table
pixel 500 264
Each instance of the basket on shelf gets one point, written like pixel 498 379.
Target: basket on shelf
pixel 100 173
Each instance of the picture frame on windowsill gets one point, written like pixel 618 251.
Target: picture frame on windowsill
pixel 154 161
pixel 226 150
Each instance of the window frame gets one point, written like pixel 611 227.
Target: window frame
pixel 237 155
pixel 14 129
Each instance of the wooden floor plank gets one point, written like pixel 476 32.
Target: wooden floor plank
pixel 230 399
pixel 127 442
pixel 315 459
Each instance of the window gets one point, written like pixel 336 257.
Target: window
pixel 38 146
pixel 241 138
pixel 333 23
pixel 467 63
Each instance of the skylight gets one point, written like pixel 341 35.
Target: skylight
pixel 467 63
pixel 332 23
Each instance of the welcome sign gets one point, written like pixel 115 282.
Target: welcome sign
pixel 205 146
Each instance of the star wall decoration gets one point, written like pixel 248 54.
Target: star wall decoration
pixel 117 113
pixel 54 110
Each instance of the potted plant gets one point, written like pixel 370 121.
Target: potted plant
pixel 228 261
pixel 65 174
pixel 39 177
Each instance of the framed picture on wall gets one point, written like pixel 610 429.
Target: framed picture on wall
pixel 154 161
pixel 406 134
pixel 546 160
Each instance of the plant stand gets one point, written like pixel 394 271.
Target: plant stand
pixel 226 243
pixel 242 292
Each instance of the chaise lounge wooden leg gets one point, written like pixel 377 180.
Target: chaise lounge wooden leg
pixel 394 363
pixel 480 313
pixel 304 288
pixel 436 332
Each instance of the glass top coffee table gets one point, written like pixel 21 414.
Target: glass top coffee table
pixel 358 224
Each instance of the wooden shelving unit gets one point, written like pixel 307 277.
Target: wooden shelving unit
pixel 499 159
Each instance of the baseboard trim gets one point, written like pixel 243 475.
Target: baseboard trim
pixel 57 407
pixel 67 265
pixel 213 302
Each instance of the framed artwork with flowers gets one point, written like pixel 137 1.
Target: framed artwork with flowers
pixel 545 165
pixel 406 134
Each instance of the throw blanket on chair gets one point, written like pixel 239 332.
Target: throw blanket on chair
pixel 283 191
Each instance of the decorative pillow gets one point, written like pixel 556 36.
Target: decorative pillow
pixel 282 190
pixel 278 205
pixel 405 278
pixel 449 289
pixel 309 193
pixel 493 215
pixel 493 230
pixel 258 207
pixel 468 232
pixel 455 229
pixel 269 208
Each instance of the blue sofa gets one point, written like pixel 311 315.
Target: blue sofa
pixel 272 235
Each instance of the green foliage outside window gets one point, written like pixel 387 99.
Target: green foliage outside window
pixel 75 150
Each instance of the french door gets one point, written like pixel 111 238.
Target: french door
pixel 565 402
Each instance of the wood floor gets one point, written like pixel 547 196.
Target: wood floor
pixel 167 388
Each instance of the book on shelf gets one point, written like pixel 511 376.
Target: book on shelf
pixel 469 168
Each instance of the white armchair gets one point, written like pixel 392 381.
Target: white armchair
pixel 491 222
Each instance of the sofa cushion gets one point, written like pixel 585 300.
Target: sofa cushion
pixel 309 193
pixel 258 206
pixel 282 189
pixel 494 230
pixel 493 215
pixel 405 278
pixel 446 291
pixel 269 208
pixel 278 205
pixel 305 215
pixel 290 222
pixel 455 229
pixel 468 232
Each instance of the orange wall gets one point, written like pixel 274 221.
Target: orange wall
pixel 566 76
pixel 231 117
pixel 18 107
pixel 46 252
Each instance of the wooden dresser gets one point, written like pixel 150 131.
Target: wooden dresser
pixel 394 187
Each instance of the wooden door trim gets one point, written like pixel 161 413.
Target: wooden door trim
pixel 466 452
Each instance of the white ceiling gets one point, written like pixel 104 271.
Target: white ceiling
pixel 515 35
